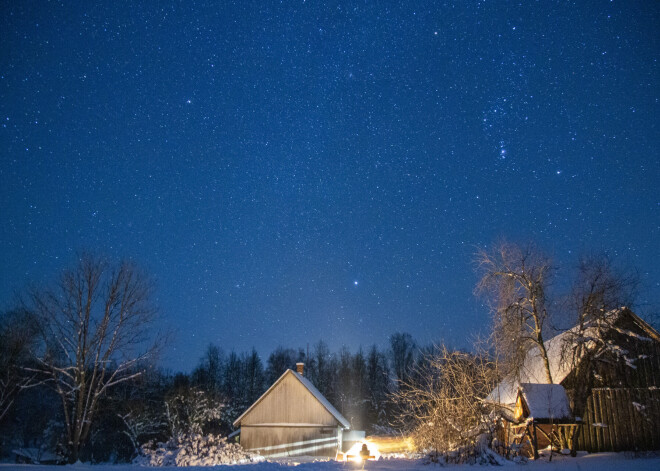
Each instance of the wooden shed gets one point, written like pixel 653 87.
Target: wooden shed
pixel 623 407
pixel 542 408
pixel 292 418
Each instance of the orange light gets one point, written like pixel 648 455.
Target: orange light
pixel 353 454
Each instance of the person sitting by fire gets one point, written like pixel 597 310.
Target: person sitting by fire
pixel 364 454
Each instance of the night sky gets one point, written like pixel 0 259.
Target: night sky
pixel 295 171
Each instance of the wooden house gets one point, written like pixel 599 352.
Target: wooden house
pixel 292 418
pixel 623 384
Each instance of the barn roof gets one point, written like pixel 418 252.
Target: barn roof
pixel 311 388
pixel 533 370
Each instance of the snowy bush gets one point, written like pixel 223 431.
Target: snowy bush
pixel 194 450
pixel 441 406
pixel 476 453
pixel 189 411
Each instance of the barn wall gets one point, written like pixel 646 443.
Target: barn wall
pixel 278 442
pixel 621 420
pixel 289 403
pixel 616 419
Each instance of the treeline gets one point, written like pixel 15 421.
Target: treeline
pixel 156 404
pixel 357 384
pixel 78 382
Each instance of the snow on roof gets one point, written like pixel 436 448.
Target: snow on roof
pixel 311 388
pixel 545 401
pixel 533 370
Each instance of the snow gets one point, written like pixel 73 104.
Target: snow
pixel 195 450
pixel 584 462
pixel 638 406
pixel 546 401
pixel 36 455
pixel 533 370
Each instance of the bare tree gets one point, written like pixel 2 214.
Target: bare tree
pixel 94 330
pixel 140 425
pixel 208 373
pixel 17 336
pixel 442 406
pixel 599 288
pixel 599 291
pixel 515 279
pixel 402 351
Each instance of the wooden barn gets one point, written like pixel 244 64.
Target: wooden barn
pixel 623 396
pixel 292 418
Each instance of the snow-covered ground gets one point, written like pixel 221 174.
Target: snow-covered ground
pixel 594 462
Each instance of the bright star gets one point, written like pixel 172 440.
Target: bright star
pixel 355 283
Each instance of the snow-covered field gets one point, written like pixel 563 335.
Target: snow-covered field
pixel 595 462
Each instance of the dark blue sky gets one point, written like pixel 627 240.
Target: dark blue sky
pixel 297 171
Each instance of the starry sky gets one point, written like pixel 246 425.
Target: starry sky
pixel 303 170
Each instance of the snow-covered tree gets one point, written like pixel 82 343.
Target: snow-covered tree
pixel 189 411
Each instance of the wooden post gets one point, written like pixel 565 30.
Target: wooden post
pixel 623 425
pixel 597 420
pixel 574 438
pixel 591 430
pixel 563 437
pixel 655 396
pixel 647 426
pixel 615 433
pixel 634 419
pixel 607 416
pixel 535 442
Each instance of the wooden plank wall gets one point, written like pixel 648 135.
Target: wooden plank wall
pixel 621 419
pixel 644 369
pixel 291 441
pixel 290 403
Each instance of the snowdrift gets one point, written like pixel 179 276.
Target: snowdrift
pixel 194 450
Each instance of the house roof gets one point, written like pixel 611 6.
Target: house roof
pixel 545 401
pixel 533 370
pixel 311 388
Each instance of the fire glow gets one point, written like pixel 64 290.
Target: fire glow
pixel 355 452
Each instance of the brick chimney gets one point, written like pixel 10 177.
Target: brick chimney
pixel 300 368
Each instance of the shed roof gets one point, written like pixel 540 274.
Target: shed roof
pixel 545 401
pixel 311 388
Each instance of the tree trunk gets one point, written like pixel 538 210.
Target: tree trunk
pixel 74 452
pixel 546 361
